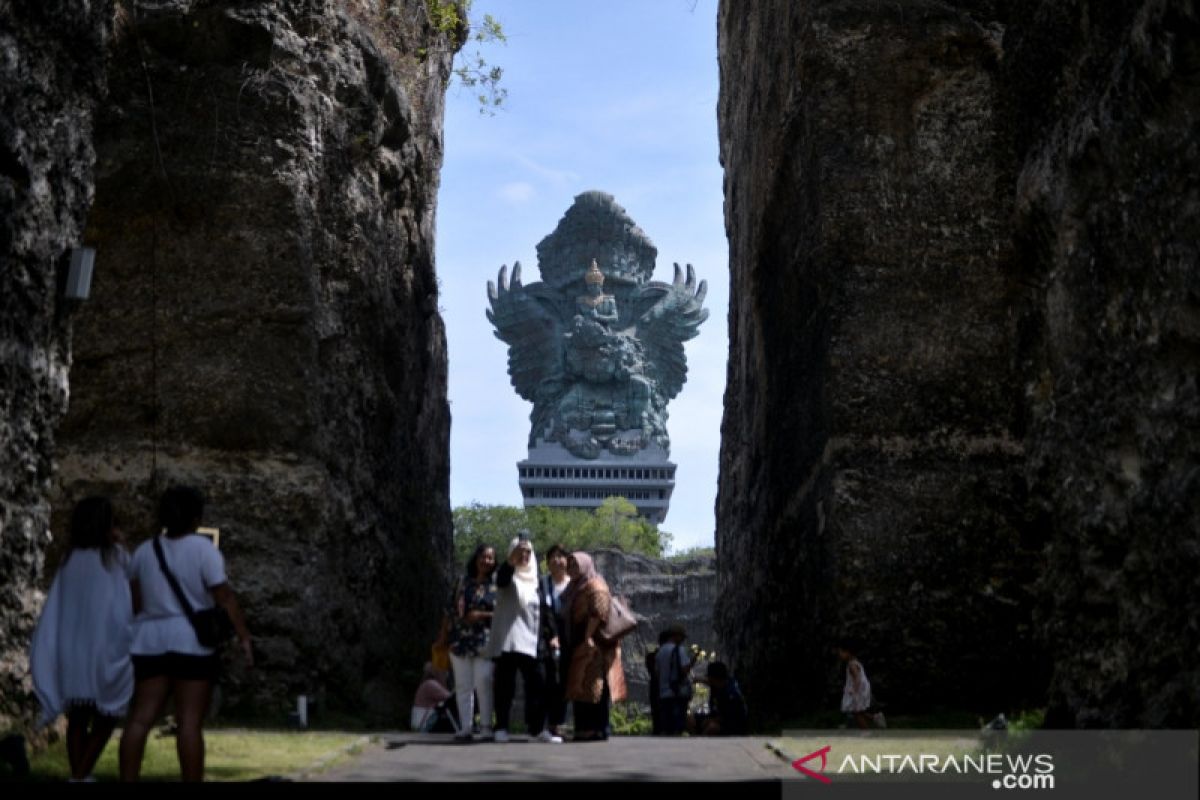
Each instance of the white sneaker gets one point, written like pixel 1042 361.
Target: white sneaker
pixel 549 738
pixel 501 736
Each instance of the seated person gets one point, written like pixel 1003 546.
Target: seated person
pixel 727 706
pixel 430 694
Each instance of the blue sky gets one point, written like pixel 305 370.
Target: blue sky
pixel 615 95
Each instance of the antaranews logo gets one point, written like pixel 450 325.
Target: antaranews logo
pixel 1010 771
pixel 799 763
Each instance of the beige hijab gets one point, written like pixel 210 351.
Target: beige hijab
pixel 587 572
pixel 525 578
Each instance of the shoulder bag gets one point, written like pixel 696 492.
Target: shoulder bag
pixel 619 623
pixel 212 625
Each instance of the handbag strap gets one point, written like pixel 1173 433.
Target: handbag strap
pixel 162 563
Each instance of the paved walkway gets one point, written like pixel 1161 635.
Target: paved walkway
pixel 436 757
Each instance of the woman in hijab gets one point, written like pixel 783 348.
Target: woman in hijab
pixel 595 678
pixel 516 636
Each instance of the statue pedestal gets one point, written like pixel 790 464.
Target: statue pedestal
pixel 551 476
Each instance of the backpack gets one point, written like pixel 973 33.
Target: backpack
pixel 619 623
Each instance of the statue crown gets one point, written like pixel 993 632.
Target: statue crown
pixel 594 276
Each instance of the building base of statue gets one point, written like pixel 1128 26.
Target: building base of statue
pixel 552 476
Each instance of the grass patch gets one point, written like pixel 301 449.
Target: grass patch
pixel 231 755
pixel 627 719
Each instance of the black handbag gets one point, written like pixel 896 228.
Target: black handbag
pixel 212 625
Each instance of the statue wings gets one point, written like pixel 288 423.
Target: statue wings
pixel 528 319
pixel 666 316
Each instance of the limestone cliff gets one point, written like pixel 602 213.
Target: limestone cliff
pixel 870 463
pixel 961 412
pixel 51 79
pixel 660 592
pixel 264 323
pixel 1107 218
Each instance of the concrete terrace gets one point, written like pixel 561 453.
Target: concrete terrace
pixel 436 757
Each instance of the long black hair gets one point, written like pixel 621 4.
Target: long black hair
pixel 180 510
pixel 93 525
pixel 479 548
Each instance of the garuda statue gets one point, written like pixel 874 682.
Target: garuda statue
pixel 596 346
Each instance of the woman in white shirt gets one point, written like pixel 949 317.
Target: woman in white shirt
pixel 516 631
pixel 168 659
pixel 79 655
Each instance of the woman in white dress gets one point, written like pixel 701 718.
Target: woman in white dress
pixel 79 655
pixel 856 694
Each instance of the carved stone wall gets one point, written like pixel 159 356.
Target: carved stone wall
pixel 264 324
pixel 51 79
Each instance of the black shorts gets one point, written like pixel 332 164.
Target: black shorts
pixel 180 666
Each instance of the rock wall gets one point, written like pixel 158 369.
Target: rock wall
pixel 870 464
pixel 51 79
pixel 660 592
pixel 264 324
pixel 960 415
pixel 1106 104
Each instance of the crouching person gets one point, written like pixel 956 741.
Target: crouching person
pixel 727 707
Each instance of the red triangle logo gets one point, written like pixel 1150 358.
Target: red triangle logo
pixel 798 764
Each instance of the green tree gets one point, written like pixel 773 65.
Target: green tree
pixel 481 524
pixel 614 524
pixel 473 71
pixel 617 524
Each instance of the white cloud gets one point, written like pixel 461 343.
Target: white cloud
pixel 555 177
pixel 517 192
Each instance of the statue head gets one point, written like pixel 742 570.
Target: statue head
pixel 594 279
pixel 596 227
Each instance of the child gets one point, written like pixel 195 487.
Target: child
pixel 79 656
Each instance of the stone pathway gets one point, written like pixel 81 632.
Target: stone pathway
pixel 436 757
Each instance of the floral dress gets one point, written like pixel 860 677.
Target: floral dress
pixel 470 639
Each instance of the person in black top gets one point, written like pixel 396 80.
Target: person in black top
pixel 554 626
pixel 727 707
pixel 656 726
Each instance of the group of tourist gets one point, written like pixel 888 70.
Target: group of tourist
pixel 504 619
pixel 115 640
pixel 117 637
